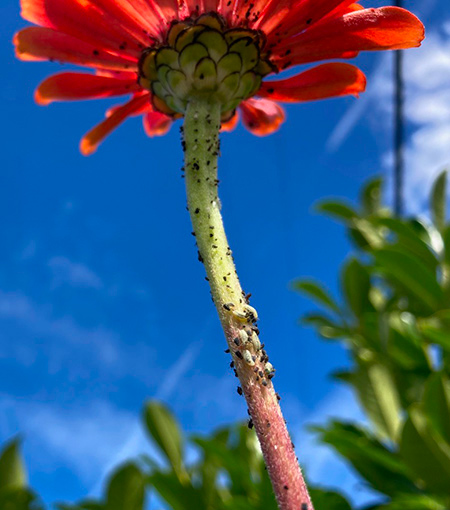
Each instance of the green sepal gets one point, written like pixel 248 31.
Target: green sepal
pixel 205 75
pixel 215 42
pixel 190 56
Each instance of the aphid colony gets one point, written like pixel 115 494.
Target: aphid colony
pixel 250 349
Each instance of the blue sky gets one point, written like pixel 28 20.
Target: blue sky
pixel 102 301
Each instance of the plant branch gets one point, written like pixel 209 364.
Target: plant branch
pixel 201 146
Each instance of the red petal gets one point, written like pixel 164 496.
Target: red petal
pixel 261 116
pixel 36 43
pixel 387 28
pixel 76 86
pixel 156 123
pixel 90 22
pixel 327 80
pixel 293 19
pixel 91 141
pixel 231 124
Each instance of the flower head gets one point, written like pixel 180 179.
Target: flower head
pixel 163 52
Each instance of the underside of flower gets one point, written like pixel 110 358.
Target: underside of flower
pixel 166 52
pixel 203 58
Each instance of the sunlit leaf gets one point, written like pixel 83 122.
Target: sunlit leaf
pixel 12 469
pixel 126 489
pixel 166 434
pixel 356 286
pixel 317 292
pixel 438 201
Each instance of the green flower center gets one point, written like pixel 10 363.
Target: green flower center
pixel 201 58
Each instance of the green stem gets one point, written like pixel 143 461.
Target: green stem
pixel 201 145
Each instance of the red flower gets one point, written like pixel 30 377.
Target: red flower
pixel 122 41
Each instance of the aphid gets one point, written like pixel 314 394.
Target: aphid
pixel 264 383
pixel 252 314
pixel 239 390
pixel 237 341
pixel 240 316
pixel 248 358
pixel 268 369
pixel 256 343
pixel 238 354
pixel 286 488
pixel 250 426
pixel 228 306
pixel 278 396
pixel 243 336
pixel 304 506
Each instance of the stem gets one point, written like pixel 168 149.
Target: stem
pixel 201 145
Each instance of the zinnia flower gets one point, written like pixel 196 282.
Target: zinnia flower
pixel 161 52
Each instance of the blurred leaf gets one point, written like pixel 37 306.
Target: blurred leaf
pixel 165 432
pixel 179 496
pixel 18 499
pixel 12 468
pixel 411 274
pixel 382 468
pixel 436 403
pixel 425 452
pixel 328 500
pixel 437 328
pixel 326 327
pixel 405 345
pixel 315 291
pixel 356 286
pixel 438 201
pixel 412 502
pixel 378 395
pixel 371 196
pixel 337 210
pixel 408 237
pixel 126 489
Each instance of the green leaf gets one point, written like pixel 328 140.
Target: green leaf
pixel 410 237
pixel 382 468
pixel 411 274
pixel 371 196
pixel 18 499
pixel 317 292
pixel 412 502
pixel 436 402
pixel 165 432
pixel 179 496
pixel 378 395
pixel 438 201
pixel 126 489
pixel 325 326
pixel 356 287
pixel 337 210
pixel 323 499
pixel 425 452
pixel 436 329
pixel 12 469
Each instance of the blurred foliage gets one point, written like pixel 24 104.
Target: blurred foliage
pixel 394 319
pixel 14 492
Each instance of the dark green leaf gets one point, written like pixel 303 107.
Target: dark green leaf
pixel 326 327
pixel 356 286
pixel 323 499
pixel 382 468
pixel 12 468
pixel 165 432
pixel 438 201
pixel 371 196
pixel 337 210
pixel 436 403
pixel 413 276
pixel 425 452
pixel 379 396
pixel 178 495
pixel 126 489
pixel 315 291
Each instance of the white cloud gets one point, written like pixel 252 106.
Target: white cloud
pixel 77 275
pixel 83 438
pixel 427 79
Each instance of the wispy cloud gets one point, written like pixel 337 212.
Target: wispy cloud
pixel 65 271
